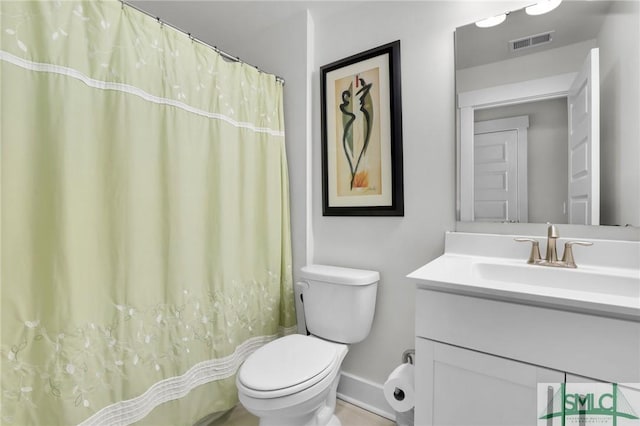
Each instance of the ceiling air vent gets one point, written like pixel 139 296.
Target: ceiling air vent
pixel 530 41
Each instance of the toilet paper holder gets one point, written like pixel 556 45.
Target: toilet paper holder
pixel 409 356
pixel 399 390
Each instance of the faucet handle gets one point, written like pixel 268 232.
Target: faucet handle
pixel 567 257
pixel 534 256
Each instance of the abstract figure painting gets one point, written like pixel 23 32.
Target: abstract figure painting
pixel 362 134
pixel 354 131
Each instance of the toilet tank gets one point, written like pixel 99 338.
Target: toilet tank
pixel 338 303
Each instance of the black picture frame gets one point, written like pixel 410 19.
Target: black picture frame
pixel 373 133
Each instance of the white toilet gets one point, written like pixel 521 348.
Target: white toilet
pixel 292 381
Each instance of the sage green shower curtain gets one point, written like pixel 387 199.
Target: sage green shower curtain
pixel 145 218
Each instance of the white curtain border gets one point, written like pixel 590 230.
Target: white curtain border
pixel 135 409
pixel 126 88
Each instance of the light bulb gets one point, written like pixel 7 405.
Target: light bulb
pixel 492 22
pixel 542 7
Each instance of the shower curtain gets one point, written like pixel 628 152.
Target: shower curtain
pixel 145 218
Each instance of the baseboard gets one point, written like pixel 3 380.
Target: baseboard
pixel 364 394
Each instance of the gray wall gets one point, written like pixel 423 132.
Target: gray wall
pixel 396 246
pixel 547 63
pixel 619 113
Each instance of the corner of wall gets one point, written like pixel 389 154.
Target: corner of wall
pixel 309 137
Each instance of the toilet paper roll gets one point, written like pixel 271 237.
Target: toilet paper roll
pixel 399 388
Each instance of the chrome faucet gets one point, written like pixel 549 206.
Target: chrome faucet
pixel 552 236
pixel 551 258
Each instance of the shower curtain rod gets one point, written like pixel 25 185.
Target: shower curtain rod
pixel 214 48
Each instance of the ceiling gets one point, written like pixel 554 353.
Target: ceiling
pixel 224 23
pixel 571 22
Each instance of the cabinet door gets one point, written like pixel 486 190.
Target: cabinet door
pixel 457 386
pixel 622 399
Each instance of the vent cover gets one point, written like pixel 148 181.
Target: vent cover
pixel 531 41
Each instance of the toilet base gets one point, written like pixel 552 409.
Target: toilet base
pixel 333 421
pixel 317 411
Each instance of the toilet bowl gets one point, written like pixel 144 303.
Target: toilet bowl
pixel 299 385
pixel 292 381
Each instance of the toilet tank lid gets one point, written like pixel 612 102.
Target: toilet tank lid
pixel 339 275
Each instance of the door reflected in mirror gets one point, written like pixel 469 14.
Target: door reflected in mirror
pixel 549 133
pixel 541 134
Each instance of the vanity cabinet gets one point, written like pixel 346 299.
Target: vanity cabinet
pixel 490 328
pixel 479 360
pixel 458 386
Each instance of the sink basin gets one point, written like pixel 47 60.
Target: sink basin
pixel 585 280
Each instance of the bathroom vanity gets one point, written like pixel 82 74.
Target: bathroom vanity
pixel 490 327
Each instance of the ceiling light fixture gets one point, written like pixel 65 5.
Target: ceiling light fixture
pixel 492 22
pixel 542 7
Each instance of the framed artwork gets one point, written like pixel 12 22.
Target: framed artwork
pixel 362 134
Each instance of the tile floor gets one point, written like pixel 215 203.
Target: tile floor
pixel 349 415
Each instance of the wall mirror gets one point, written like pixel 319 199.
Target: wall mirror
pixel 547 116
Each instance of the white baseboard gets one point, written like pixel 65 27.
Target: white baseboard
pixel 364 394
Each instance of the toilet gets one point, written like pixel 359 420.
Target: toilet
pixel 292 381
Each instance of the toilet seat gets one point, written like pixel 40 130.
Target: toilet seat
pixel 289 365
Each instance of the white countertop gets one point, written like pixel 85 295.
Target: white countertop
pixel 606 282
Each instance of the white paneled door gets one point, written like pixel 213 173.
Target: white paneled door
pixel 500 170
pixel 584 144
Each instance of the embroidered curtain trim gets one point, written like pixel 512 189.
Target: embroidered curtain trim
pixel 127 88
pixel 135 409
